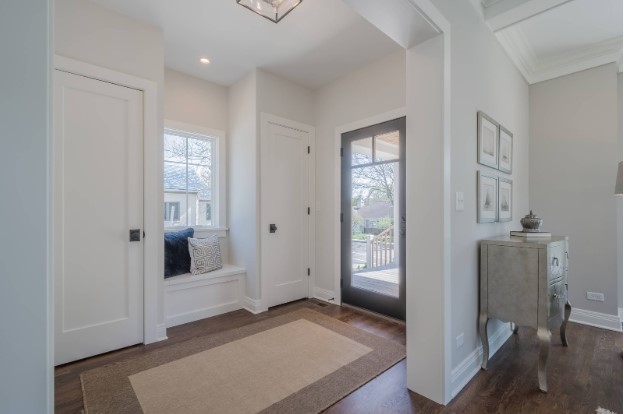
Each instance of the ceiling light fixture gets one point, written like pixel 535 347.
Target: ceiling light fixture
pixel 274 10
pixel 205 61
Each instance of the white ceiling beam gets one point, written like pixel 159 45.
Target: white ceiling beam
pixel 401 20
pixel 505 13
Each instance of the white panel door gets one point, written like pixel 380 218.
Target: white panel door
pixel 285 252
pixel 98 198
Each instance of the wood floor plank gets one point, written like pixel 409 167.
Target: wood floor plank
pixel 581 377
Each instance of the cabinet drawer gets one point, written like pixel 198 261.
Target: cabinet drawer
pixel 557 297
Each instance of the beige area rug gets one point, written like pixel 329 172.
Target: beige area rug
pixel 298 362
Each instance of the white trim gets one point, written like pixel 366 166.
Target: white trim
pixel 153 296
pixel 470 366
pixel 534 70
pixel 597 319
pixel 220 179
pixel 189 280
pixel 202 231
pixel 253 305
pixel 502 14
pixel 162 332
pixel 324 295
pixel 265 120
pixel 50 142
pixel 338 131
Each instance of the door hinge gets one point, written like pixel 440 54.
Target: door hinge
pixel 308 211
pixel 341 217
pixel 341 152
pixel 308 271
pixel 308 149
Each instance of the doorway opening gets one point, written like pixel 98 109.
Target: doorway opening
pixel 373 218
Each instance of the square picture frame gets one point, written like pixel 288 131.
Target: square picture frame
pixel 487 198
pixel 487 140
pixel 505 199
pixel 505 150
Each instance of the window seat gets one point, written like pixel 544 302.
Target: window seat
pixel 191 297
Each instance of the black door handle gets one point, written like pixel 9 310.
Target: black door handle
pixel 135 235
pixel 272 228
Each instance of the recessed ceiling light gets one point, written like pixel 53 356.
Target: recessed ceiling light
pixel 205 61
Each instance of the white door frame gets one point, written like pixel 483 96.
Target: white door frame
pixel 265 120
pixel 352 126
pixel 153 249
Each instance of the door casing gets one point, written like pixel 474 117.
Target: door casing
pixel 154 328
pixel 265 121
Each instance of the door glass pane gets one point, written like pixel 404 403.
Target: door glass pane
pixel 362 151
pixel 387 146
pixel 374 241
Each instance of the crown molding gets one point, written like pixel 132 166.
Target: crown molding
pixel 536 70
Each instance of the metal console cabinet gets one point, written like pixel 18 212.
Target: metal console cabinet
pixel 525 282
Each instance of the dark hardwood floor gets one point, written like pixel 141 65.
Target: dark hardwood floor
pixel 582 377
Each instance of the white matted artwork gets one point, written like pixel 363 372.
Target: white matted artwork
pixel 505 150
pixel 487 140
pixel 487 191
pixel 505 199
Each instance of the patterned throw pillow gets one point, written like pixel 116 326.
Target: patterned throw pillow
pixel 205 254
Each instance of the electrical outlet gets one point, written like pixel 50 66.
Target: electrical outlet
pixel 460 340
pixel 595 296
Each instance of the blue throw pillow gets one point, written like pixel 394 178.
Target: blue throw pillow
pixel 177 257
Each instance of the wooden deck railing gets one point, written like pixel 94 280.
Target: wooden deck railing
pixel 382 248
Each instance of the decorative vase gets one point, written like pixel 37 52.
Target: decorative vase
pixel 531 223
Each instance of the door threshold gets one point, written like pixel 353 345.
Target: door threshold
pixel 372 313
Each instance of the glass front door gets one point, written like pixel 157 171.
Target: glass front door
pixel 373 218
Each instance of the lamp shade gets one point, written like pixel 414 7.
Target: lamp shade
pixel 618 181
pixel 274 10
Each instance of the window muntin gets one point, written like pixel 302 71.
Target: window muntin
pixel 190 166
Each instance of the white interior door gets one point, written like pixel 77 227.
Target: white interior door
pixel 285 194
pixel 98 198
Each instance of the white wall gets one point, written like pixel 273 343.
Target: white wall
pixel 574 155
pixel 96 35
pixel 619 198
pixel 374 89
pixel 195 101
pixel 283 98
pixel 26 374
pixel 482 78
pixel 242 178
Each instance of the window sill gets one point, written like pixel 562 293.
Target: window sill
pixel 201 231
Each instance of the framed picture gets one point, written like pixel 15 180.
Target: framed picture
pixel 505 199
pixel 505 150
pixel 487 191
pixel 487 140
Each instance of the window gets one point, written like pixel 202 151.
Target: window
pixel 190 172
pixel 172 211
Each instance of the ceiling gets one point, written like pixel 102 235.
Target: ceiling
pixel 551 38
pixel 318 42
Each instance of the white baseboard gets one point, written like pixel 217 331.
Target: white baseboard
pixel 597 319
pixel 253 305
pixel 324 295
pixel 162 332
pixel 204 313
pixel 470 366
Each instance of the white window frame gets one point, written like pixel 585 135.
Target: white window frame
pixel 219 210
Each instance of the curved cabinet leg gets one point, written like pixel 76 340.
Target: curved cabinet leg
pixel 483 321
pixel 543 335
pixel 564 324
pixel 515 329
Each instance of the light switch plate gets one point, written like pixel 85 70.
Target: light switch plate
pixel 459 201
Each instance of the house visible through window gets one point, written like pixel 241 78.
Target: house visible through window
pixel 172 211
pixel 189 178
